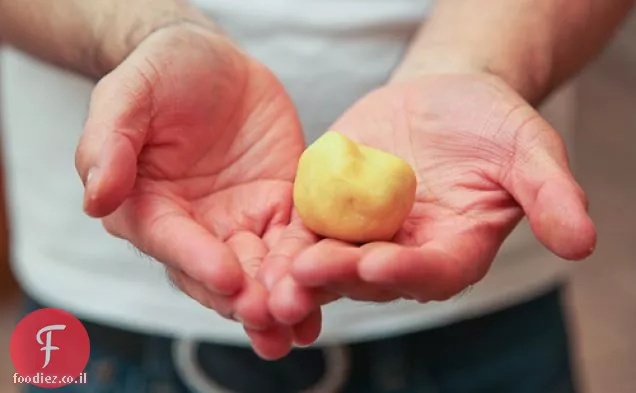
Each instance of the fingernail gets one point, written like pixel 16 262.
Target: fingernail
pixel 240 320
pixel 89 176
pixel 301 345
pixel 89 189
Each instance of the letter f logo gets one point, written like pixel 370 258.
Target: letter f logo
pixel 48 347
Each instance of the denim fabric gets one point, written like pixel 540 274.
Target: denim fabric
pixel 523 349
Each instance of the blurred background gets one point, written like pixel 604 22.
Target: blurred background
pixel 602 294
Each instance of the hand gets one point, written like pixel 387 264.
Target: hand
pixel 191 147
pixel 483 158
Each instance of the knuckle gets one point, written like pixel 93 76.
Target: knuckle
pixel 112 228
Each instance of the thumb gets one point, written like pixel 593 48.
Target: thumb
pixel 114 134
pixel 539 178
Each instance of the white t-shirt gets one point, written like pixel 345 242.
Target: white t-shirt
pixel 328 54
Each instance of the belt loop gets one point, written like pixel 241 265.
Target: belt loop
pixel 337 368
pixel 184 355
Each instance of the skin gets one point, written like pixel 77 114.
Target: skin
pixel 189 150
pixel 173 172
pixel 460 109
pixel 203 184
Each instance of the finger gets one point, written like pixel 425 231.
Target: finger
pixel 436 271
pixel 249 249
pixel 223 305
pixel 248 307
pixel 291 303
pixel 333 266
pixel 251 305
pixel 365 292
pixel 159 229
pixel 291 243
pixel 273 235
pixel 114 135
pixel 328 263
pixel 273 343
pixel 539 178
pixel 307 331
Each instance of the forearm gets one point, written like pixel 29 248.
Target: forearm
pixel 88 36
pixel 534 45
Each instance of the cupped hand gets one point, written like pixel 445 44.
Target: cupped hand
pixel 189 153
pixel 483 158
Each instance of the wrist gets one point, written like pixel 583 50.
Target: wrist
pixel 435 60
pixel 525 68
pixel 123 34
pixel 532 83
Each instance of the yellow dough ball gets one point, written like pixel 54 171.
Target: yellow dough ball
pixel 351 192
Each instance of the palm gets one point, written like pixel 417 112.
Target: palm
pixel 482 157
pixel 196 150
pixel 456 154
pixel 222 148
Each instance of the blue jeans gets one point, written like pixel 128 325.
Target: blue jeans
pixel 523 349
